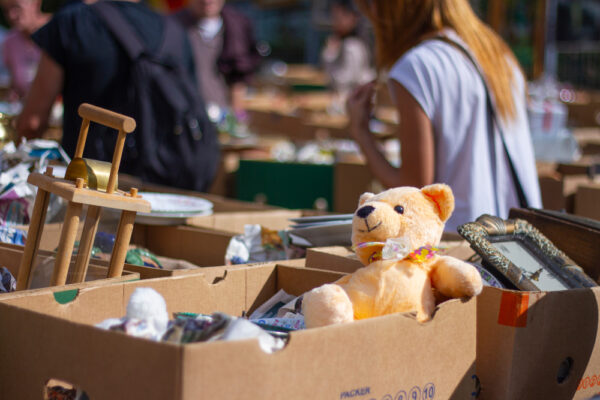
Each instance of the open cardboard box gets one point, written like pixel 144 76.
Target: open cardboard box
pixel 543 344
pixel 525 340
pixel 390 357
pixel 197 246
pixel 10 257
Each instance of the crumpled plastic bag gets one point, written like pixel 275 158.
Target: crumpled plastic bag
pixel 257 244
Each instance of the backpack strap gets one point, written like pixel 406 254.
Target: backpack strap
pixel 120 28
pixel 495 121
pixel 173 38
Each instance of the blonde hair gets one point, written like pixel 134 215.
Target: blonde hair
pixel 400 25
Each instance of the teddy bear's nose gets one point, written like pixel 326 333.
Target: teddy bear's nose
pixel 365 211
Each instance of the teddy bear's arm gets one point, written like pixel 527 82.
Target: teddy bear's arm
pixel 455 278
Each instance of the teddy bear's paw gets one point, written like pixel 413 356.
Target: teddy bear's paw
pixel 474 284
pixel 423 316
pixel 326 305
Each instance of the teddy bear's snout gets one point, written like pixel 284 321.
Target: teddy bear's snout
pixel 365 211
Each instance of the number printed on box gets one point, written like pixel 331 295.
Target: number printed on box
pixel 427 392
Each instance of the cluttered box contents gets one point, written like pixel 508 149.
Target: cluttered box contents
pixel 537 329
pixel 10 263
pixel 378 357
pixel 537 315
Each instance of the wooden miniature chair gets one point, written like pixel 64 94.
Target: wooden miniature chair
pixel 79 191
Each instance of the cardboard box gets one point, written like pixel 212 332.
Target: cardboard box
pixel 542 345
pixel 538 345
pixel 388 357
pixel 587 201
pixel 576 236
pixel 337 187
pixel 558 190
pixel 235 221
pixel 10 257
pixel 350 180
pixel 200 246
pixel 524 338
pixel 588 140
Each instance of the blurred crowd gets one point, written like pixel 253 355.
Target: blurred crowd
pixel 466 126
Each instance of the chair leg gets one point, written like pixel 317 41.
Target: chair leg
pixel 86 242
pixel 67 242
pixel 34 234
pixel 117 259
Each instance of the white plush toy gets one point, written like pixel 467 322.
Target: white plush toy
pixel 148 305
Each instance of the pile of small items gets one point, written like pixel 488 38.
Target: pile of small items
pixel 147 318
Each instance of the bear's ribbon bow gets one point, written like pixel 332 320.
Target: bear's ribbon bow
pixel 397 249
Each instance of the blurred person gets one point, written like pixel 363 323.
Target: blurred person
pixel 20 54
pixel 346 57
pixel 447 131
pixel 84 60
pixel 224 50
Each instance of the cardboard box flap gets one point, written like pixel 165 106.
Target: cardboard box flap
pixel 382 357
pixel 230 291
pixel 520 331
pixel 348 353
pixel 558 335
pixel 236 221
pixel 200 246
pixel 333 258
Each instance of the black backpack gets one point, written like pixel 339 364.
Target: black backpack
pixel 175 143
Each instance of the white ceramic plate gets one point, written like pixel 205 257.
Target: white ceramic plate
pixel 173 205
pixel 172 209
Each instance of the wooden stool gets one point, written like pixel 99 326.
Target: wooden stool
pixel 77 194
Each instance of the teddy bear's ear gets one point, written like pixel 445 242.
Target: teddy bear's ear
pixel 364 198
pixel 442 196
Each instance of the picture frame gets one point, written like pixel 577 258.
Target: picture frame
pixel 521 256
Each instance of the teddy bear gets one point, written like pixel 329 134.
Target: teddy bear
pixel 394 234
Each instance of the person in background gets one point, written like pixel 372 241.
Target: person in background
pixel 345 57
pixel 21 56
pixel 82 60
pixel 445 124
pixel 224 50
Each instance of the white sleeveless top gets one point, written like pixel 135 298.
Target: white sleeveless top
pixel 449 89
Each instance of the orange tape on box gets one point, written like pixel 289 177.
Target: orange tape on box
pixel 513 309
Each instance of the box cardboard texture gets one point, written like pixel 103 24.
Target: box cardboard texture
pixel 538 345
pixel 11 254
pixel 543 345
pixel 200 246
pixel 235 221
pixel 524 338
pixel 587 200
pixel 51 235
pixel 387 357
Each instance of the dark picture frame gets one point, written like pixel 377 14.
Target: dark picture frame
pixel 521 256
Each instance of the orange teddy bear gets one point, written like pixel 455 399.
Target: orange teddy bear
pixel 394 235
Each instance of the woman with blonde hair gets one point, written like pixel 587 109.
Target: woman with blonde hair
pixel 461 100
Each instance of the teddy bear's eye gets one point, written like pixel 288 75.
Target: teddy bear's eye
pixel 399 209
